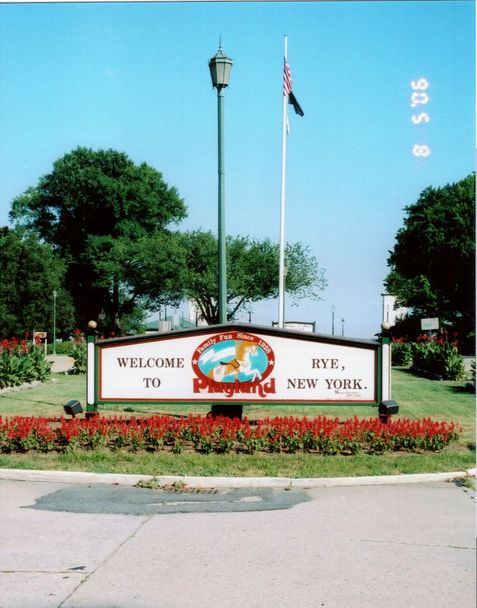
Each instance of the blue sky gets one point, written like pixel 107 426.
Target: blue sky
pixel 134 77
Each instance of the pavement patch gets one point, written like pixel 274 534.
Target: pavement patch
pixel 98 498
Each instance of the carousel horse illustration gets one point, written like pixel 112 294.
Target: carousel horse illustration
pixel 244 350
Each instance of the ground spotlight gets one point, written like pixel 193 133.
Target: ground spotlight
pixel 387 409
pixel 73 407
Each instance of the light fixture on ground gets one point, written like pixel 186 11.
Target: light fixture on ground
pixel 73 407
pixel 220 67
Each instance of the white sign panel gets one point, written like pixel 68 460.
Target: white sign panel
pixel 429 324
pixel 235 365
pixel 300 325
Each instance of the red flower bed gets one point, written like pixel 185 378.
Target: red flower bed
pixel 320 435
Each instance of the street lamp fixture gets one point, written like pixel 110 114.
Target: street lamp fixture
pixel 220 67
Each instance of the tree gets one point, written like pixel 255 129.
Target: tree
pixel 30 274
pixel 98 209
pixel 151 270
pixel 433 261
pixel 252 272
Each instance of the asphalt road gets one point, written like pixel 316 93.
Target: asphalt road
pixel 95 546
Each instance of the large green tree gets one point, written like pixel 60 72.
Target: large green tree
pixel 433 261
pixel 252 273
pixel 152 269
pixel 31 272
pixel 98 210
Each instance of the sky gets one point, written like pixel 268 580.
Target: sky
pixel 134 77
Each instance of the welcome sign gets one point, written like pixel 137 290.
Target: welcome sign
pixel 235 363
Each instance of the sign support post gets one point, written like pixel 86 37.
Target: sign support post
pixel 91 406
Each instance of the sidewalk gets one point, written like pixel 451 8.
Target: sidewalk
pixel 61 363
pixel 98 546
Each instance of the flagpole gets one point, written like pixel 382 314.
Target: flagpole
pixel 281 272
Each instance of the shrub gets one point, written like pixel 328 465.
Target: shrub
pixel 438 360
pixel 22 362
pixel 401 354
pixel 41 367
pixel 62 348
pixel 79 356
pixel 79 353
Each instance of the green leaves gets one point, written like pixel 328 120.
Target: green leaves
pixel 110 222
pixel 252 272
pixel 438 360
pixel 97 209
pixel 433 260
pixel 31 271
pixel 21 364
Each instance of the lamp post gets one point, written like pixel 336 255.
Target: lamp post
pixel 342 327
pixel 220 67
pixel 55 293
pixel 333 310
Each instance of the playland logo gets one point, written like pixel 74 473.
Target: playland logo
pixel 234 363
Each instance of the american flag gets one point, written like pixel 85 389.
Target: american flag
pixel 287 80
pixel 287 89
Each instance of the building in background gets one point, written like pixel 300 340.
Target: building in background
pixel 391 312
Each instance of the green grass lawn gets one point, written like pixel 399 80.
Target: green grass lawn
pixel 417 397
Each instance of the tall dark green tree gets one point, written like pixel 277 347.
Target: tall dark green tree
pixel 433 261
pixel 252 273
pixel 98 209
pixel 30 273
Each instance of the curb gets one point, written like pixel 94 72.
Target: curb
pixel 228 482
